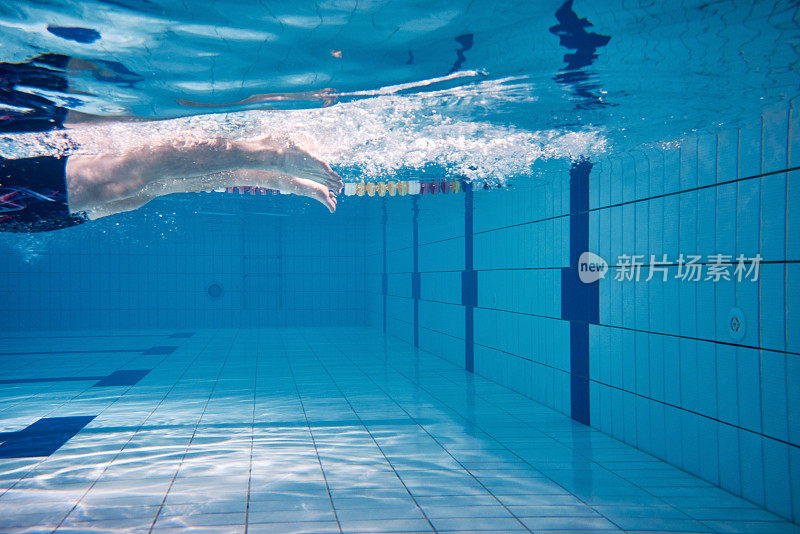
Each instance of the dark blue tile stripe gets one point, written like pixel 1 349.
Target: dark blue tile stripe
pixel 579 371
pixel 469 281
pixel 93 336
pixel 580 303
pixel 578 210
pixel 469 229
pixel 415 285
pixel 151 351
pixel 182 334
pixel 160 350
pixel 126 377
pixel 469 339
pixel 43 437
pixel 50 379
pixel 99 351
pixel 415 278
pixel 469 288
pixel 384 277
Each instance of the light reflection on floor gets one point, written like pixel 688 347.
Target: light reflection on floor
pixel 316 430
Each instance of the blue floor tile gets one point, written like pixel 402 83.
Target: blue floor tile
pixel 300 430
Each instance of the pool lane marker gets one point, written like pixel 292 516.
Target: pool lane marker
pixel 159 350
pixel 91 336
pixel 124 377
pixel 382 189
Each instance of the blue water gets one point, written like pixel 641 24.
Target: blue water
pixel 469 89
pixel 428 362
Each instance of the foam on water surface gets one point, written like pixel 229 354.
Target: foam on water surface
pixel 365 139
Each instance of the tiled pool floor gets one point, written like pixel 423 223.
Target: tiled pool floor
pixel 312 430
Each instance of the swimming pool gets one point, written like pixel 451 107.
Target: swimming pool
pixel 559 292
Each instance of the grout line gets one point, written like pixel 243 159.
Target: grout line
pixel 617 327
pixel 591 429
pixel 460 464
pixel 64 403
pixel 792 488
pixel 619 204
pixel 372 437
pixel 505 447
pixel 194 432
pixel 610 266
pixel 542 364
pixel 252 437
pixel 445 385
pixel 687 410
pixel 313 440
pixel 108 465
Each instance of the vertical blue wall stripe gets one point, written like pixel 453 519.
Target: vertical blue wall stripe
pixel 415 279
pixel 579 372
pixel 469 282
pixel 384 277
pixel 468 226
pixel 580 303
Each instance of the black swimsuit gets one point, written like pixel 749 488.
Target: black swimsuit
pixel 33 196
pixel 33 191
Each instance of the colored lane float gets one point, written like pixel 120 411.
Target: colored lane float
pixel 247 190
pixel 401 188
pixel 381 189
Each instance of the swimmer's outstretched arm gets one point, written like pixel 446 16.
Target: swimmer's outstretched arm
pixel 190 165
pixel 282 183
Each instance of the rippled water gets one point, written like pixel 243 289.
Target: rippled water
pixel 370 138
pixel 477 89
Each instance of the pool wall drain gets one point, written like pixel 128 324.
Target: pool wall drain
pixel 371 189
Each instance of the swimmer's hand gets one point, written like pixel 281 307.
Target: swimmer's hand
pixel 284 183
pixel 307 188
pixel 325 196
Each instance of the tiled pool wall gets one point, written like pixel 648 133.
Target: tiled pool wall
pixel 143 270
pixel 489 280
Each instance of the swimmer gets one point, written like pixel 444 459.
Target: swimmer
pixel 48 193
pixel 105 184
